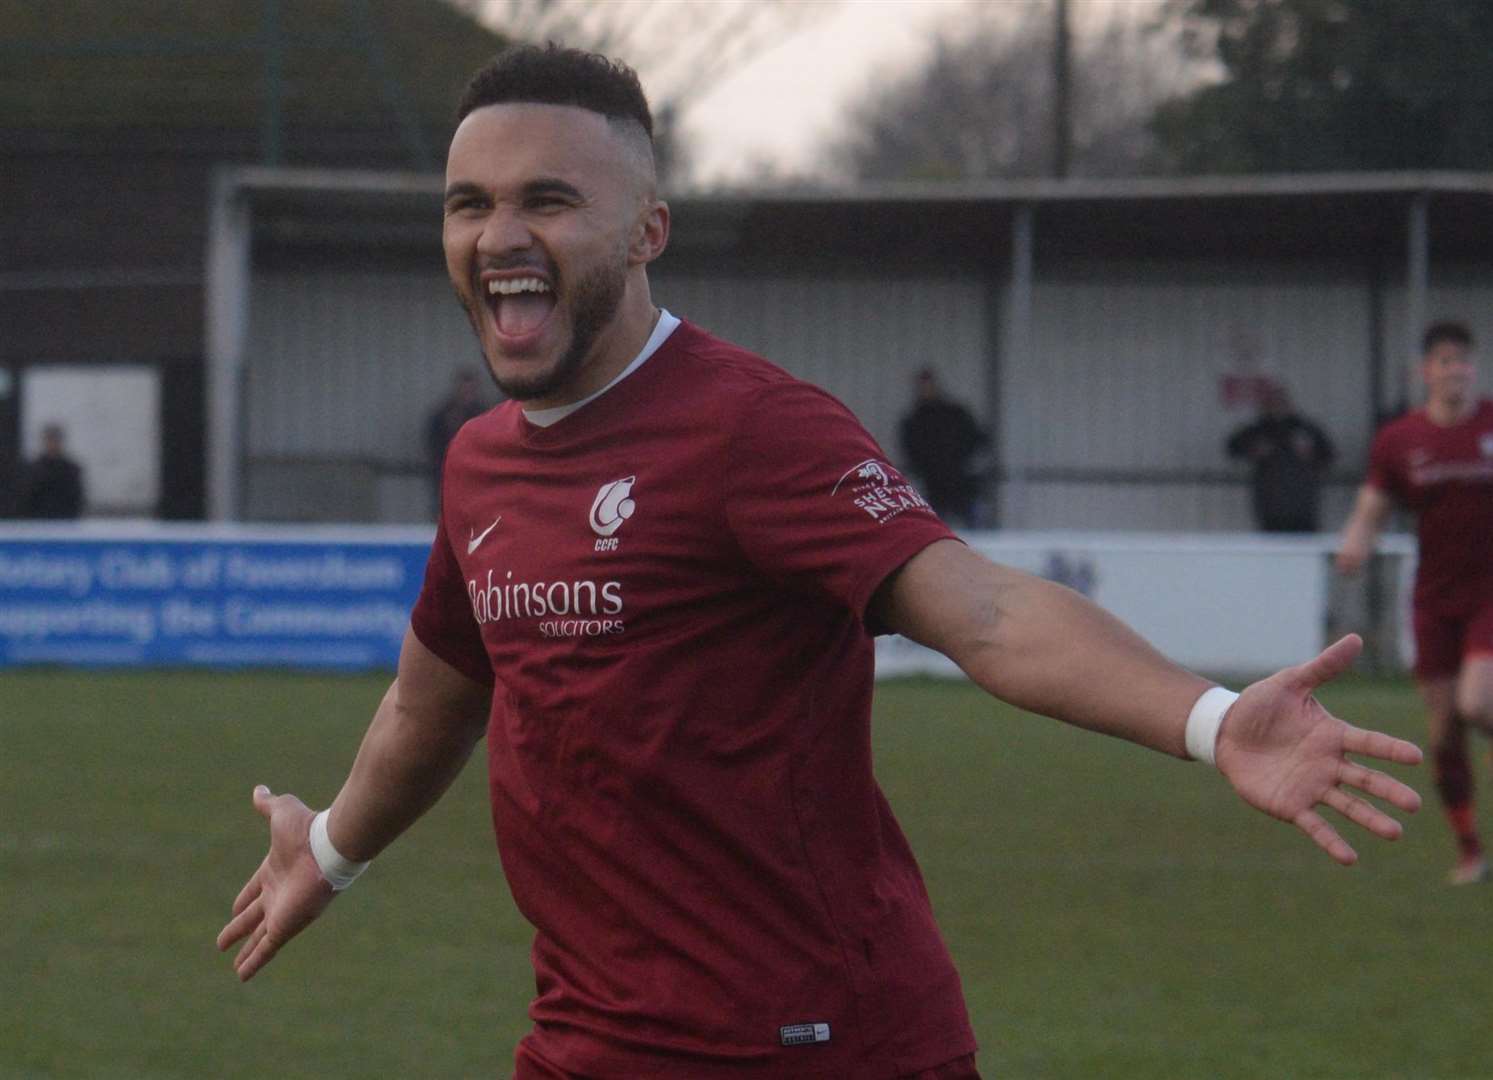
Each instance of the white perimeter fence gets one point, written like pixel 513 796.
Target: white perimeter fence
pixel 1227 604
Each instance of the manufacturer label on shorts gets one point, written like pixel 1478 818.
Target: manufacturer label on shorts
pixel 804 1034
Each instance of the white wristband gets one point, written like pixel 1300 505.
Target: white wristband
pixel 339 871
pixel 1205 720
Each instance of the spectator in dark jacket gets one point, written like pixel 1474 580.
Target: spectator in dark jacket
pixel 1289 455
pixel 53 486
pixel 445 420
pixel 939 440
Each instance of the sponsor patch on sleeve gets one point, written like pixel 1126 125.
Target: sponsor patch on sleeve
pixel 879 490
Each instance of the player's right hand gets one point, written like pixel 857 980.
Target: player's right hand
pixel 284 895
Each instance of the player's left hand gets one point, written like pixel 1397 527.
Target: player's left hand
pixel 1286 755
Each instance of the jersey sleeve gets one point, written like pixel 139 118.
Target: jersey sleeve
pixel 442 616
pixel 815 503
pixel 1384 471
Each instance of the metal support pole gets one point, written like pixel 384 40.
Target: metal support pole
pixel 1417 277
pixel 1018 362
pixel 226 313
pixel 395 98
pixel 992 487
pixel 272 41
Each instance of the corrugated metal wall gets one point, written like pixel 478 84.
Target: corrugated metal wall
pixel 1114 421
pixel 343 370
pixel 861 338
pixel 1124 376
pixel 1464 294
pixel 347 364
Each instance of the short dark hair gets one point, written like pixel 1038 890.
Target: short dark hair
pixel 1454 332
pixel 556 75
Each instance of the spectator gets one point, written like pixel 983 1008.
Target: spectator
pixel 463 403
pixel 53 487
pixel 1289 455
pixel 939 440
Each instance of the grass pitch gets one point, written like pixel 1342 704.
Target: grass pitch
pixel 1114 913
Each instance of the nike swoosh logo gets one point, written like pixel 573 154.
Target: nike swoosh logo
pixel 476 541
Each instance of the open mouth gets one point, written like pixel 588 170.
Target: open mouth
pixel 521 307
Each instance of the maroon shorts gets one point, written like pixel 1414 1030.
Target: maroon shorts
pixel 1442 643
pixel 958 1069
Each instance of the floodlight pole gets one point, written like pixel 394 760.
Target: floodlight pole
pixel 1062 91
pixel 1417 279
pixel 272 41
pixel 1018 363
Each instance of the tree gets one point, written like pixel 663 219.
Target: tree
pixel 983 105
pixel 677 49
pixel 1313 85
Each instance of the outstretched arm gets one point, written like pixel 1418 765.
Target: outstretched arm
pixel 422 734
pixel 1046 649
pixel 1370 510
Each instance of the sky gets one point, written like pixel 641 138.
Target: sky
pixel 777 100
pixel 782 106
pixel 806 63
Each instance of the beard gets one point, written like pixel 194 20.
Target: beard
pixel 595 300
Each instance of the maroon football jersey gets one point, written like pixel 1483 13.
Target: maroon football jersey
pixel 1445 476
pixel 670 586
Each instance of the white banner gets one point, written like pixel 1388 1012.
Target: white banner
pixel 1219 603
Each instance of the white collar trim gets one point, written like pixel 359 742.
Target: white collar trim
pixel 661 330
